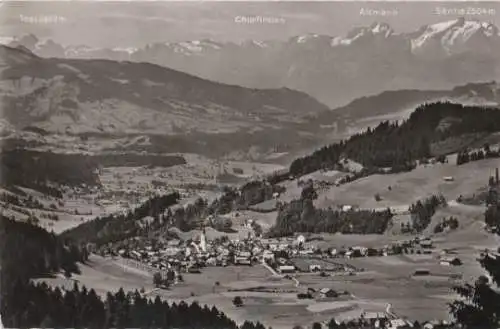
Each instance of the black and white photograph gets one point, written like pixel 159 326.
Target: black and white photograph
pixel 208 164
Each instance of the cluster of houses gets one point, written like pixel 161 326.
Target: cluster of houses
pixel 281 254
pixel 192 255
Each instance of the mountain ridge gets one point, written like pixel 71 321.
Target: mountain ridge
pixel 333 69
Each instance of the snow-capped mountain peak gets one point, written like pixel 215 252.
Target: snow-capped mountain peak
pixel 452 35
pixel 376 29
pixel 307 37
pixel 381 28
pixel 252 43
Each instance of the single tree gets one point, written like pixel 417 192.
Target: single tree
pixel 237 301
pixel 316 325
pixel 157 279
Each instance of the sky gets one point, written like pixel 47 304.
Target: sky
pixel 137 23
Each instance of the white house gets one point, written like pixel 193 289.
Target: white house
pixel 286 269
pixel 268 255
pixel 450 261
pixel 328 293
pixel 301 239
pixel 399 324
pixel 314 268
pixel 346 208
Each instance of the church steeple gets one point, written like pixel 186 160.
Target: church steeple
pixel 203 240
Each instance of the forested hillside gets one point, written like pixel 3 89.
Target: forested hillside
pixel 42 170
pixel 116 227
pixel 28 251
pixel 400 145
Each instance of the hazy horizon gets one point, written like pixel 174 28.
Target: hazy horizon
pixel 135 24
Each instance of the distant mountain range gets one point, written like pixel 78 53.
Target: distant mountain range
pixel 104 105
pixel 334 69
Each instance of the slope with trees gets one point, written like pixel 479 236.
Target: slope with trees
pixel 118 227
pixel 400 145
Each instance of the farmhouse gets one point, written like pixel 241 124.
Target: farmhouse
pixel 286 269
pixel 314 268
pixel 239 260
pixel 374 316
pixel 347 207
pixel 268 255
pixel 399 324
pixel 328 293
pixel 427 243
pixel 421 272
pixel 450 261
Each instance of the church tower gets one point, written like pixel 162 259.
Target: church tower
pixel 203 241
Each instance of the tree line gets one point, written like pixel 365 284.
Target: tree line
pixel 37 305
pixel 486 152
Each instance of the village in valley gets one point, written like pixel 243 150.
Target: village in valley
pixel 245 267
pixel 215 242
pixel 268 178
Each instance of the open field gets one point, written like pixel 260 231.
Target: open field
pixel 407 187
pixel 105 274
pixel 391 282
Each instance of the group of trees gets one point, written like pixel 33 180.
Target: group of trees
pixel 451 223
pixel 250 194
pixel 485 153
pixel 40 306
pixel 256 192
pixel 422 211
pixel 28 201
pixel 466 156
pixel 160 281
pixel 302 216
pixel 492 215
pixel 399 146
